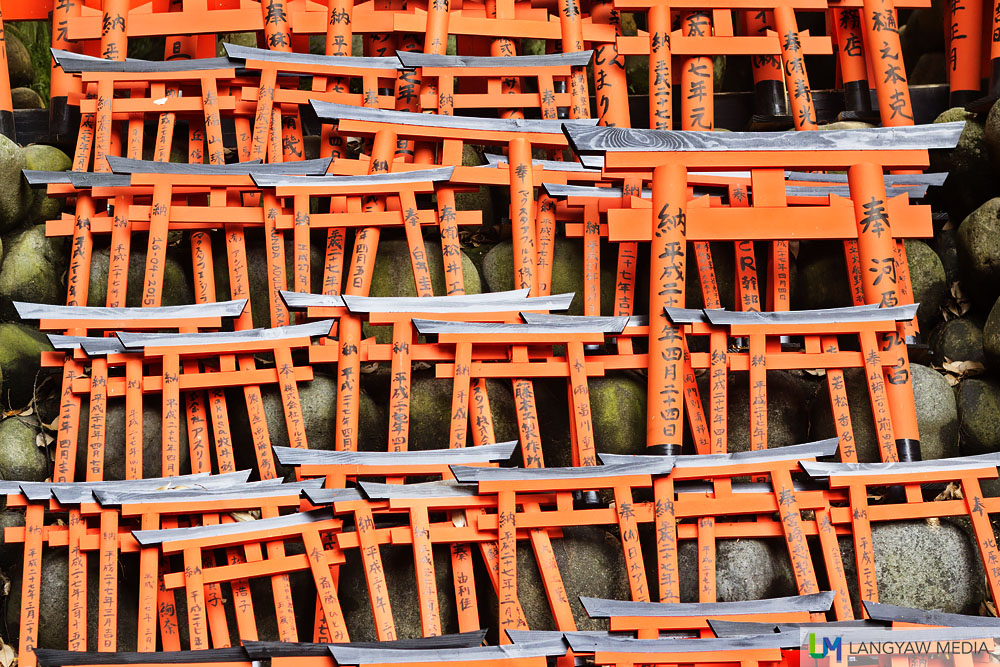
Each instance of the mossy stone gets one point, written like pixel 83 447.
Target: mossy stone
pixel 26 98
pixel 176 290
pixel 931 68
pixel 618 409
pixel 18 61
pixel 400 576
pixel 53 608
pixel 927 278
pixel 21 459
pixel 978 242
pixel 928 564
pixel 591 564
pixel 822 276
pixel 259 272
pixel 991 338
pixel 970 179
pixel 430 412
pixel 318 400
pixel 21 347
pixel 787 412
pixel 115 455
pixel 32 269
pixel 960 339
pixel 746 569
pixel 46 158
pixel 393 275
pixel 567 272
pixel 979 415
pixel 11 553
pixel 15 195
pixel 937 414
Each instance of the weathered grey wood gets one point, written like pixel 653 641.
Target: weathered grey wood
pixel 936 178
pixel 414 59
pixel 494 160
pixel 639 465
pixel 892 613
pixel 850 314
pixel 619 644
pixel 124 165
pixel 331 496
pixel 37 177
pixel 136 341
pixel 560 190
pixel 613 325
pixel 250 491
pixel 101 347
pixel 75 63
pixel 244 53
pixel 808 450
pixel 497 302
pixel 685 315
pixel 49 657
pixel 96 179
pixel 957 464
pixel 614 139
pixel 80 492
pixel 294 456
pixel 271 180
pixel 149 538
pixel 488 655
pixel 425 491
pixel 45 311
pixel 602 608
pixel 545 320
pixel 258 650
pixel 742 628
pixel 330 112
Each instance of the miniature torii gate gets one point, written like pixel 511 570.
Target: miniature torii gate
pixel 670 154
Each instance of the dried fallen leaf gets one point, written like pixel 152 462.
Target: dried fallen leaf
pixel 7 655
pixel 962 368
pixel 951 492
pixel 245 516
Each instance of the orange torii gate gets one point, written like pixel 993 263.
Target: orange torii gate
pixel 669 155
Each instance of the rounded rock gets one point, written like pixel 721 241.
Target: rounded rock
pixel 746 569
pixel 618 409
pixel 176 289
pixel 115 436
pixel 567 273
pixel 960 339
pixel 46 158
pixel 15 195
pixel 823 280
pixel 21 347
pixel 927 279
pixel 787 412
pixel 19 66
pixel 970 180
pixel 21 459
pixel 937 414
pixel 979 415
pixel 929 564
pixel 32 270
pixel 978 242
pixel 53 607
pixel 318 401
pixel 26 98
pixel 430 412
pixel 991 338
